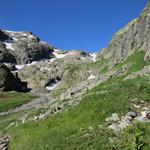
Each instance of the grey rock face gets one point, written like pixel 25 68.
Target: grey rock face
pixel 27 51
pixel 22 48
pixel 135 36
pixel 5 55
pixel 3 36
pixel 9 82
pixel 132 114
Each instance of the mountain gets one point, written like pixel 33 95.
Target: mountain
pixel 77 100
pixel 22 47
pixel 131 38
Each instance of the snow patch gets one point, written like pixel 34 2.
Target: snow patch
pixel 19 66
pixel 52 60
pixel 93 55
pixel 9 46
pixel 83 58
pixel 59 56
pixel 42 42
pixel 91 77
pixel 24 34
pixel 22 66
pixel 33 63
pixel 52 86
pixel 13 31
pixel 31 36
pixel 15 39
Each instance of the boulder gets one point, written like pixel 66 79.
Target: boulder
pixel 132 114
pixel 139 119
pixel 114 127
pixel 144 113
pixel 113 118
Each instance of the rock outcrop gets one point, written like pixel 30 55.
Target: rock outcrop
pixel 135 36
pixel 9 82
pixel 22 47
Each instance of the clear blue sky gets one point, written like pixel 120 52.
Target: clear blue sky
pixel 70 24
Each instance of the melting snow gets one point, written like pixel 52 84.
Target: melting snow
pixel 42 42
pixel 13 31
pixel 9 46
pixel 83 58
pixel 93 56
pixel 24 34
pixel 34 62
pixel 52 86
pixel 31 36
pixel 59 55
pixel 91 77
pixel 19 66
pixel 22 66
pixel 52 60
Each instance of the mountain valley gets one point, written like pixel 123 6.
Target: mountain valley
pixel 52 99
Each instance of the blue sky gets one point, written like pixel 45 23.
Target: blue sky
pixel 70 24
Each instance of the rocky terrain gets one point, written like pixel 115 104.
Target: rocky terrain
pixel 80 100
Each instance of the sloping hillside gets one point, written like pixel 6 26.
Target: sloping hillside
pixel 86 101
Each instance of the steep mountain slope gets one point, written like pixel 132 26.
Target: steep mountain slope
pixel 38 63
pixel 24 47
pixel 133 37
pixel 91 97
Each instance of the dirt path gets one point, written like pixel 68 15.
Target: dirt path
pixel 34 103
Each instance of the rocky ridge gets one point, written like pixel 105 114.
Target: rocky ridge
pixel 131 38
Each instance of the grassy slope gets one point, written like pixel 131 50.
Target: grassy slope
pixel 9 100
pixel 69 130
pixel 136 60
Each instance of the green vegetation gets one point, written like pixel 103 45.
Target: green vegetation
pixel 101 65
pixel 10 100
pixel 135 61
pixel 84 126
pixel 71 129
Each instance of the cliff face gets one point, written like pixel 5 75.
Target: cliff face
pixel 135 36
pixel 10 82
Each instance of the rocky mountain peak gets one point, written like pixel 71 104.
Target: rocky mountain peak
pixel 22 47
